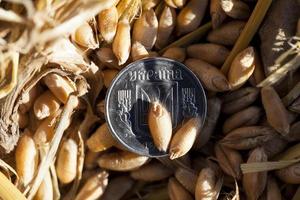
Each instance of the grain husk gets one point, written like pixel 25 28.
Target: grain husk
pixel 242 67
pixel 217 14
pixel 247 117
pixel 176 191
pixel 214 54
pixel 175 53
pixel 210 76
pixel 45 105
pixel 108 76
pixel 239 99
pixel 154 171
pixel 121 161
pixel 255 183
pixel 274 146
pixel 236 9
pixel 94 187
pixel 275 110
pixel 66 163
pixel 160 125
pixel 117 188
pixel 166 25
pixel 187 178
pixel 101 139
pixel 226 34
pixel 248 137
pixel 107 23
pixel 184 138
pixel 208 185
pixel 190 17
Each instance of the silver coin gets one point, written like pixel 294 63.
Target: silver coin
pixel 139 84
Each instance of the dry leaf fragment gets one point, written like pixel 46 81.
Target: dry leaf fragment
pixel 121 161
pixel 210 76
pixel 160 125
pixel 275 110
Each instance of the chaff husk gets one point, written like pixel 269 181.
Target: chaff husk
pixel 217 13
pixel 117 188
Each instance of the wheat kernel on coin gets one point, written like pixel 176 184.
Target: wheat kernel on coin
pixel 160 125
